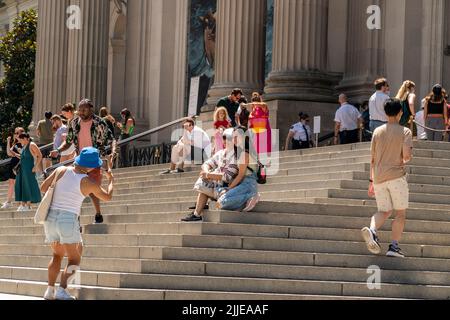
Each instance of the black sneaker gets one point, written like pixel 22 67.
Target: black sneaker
pixel 195 207
pixel 371 239
pixel 179 170
pixel 395 252
pixel 192 218
pixel 98 219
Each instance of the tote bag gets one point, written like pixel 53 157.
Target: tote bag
pixel 44 206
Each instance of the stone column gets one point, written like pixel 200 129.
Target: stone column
pixel 433 38
pixel 365 61
pixel 180 63
pixel 240 47
pixel 88 53
pixel 299 66
pixel 51 60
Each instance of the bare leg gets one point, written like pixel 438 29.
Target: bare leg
pixel 379 219
pixel 96 203
pixel 201 203
pixel 54 266
pixel 11 190
pixel 398 225
pixel 74 260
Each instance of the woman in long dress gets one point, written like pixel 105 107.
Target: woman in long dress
pixel 27 188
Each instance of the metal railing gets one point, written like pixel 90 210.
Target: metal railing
pixel 137 156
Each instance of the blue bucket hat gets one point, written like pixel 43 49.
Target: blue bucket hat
pixel 89 158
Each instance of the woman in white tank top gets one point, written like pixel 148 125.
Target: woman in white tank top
pixel 62 228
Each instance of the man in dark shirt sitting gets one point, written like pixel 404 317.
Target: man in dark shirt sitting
pixel 231 103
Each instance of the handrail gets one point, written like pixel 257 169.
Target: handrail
pixel 326 137
pixel 6 162
pixel 126 141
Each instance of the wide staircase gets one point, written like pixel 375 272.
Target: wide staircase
pixel 302 241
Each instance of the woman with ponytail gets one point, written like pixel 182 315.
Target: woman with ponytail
pixel 407 96
pixel 260 126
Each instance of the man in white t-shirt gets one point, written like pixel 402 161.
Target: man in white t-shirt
pixel 348 121
pixel 194 144
pixel 376 104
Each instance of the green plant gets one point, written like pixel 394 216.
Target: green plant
pixel 18 55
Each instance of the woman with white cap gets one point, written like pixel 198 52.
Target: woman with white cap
pixel 62 227
pixel 217 172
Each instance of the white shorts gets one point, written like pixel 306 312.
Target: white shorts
pixel 392 195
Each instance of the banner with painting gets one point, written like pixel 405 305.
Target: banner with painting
pixel 202 49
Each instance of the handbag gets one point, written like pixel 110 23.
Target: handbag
pixel 16 168
pixel 261 174
pixel 44 206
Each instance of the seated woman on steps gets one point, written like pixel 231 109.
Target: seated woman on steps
pixel 217 172
pixel 242 194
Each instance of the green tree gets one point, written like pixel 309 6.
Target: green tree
pixel 18 55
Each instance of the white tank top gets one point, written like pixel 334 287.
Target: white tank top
pixel 67 195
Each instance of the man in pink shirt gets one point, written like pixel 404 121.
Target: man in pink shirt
pixel 89 130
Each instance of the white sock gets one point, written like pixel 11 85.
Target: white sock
pixel 196 214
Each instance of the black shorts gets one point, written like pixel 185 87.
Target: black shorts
pixel 46 151
pixel 11 174
pixel 297 144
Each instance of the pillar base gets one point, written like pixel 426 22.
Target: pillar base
pixel 358 90
pixel 219 91
pixel 312 86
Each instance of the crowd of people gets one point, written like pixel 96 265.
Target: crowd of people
pixel 429 122
pixel 68 132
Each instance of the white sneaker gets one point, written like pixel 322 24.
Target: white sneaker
pixel 27 209
pixel 62 294
pixel 50 293
pixel 251 204
pixel 7 205
pixel 20 209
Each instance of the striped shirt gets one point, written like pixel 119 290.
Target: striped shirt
pixel 224 162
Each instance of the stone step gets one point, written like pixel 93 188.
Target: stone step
pixel 413 197
pixel 239 270
pixel 330 241
pixel 146 192
pixel 303 245
pixel 372 204
pixel 211 283
pixel 313 227
pixel 305 215
pixel 37 289
pixel 413 187
pixel 248 256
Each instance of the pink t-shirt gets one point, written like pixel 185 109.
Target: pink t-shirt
pixel 85 138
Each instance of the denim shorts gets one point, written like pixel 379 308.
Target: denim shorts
pixel 63 227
